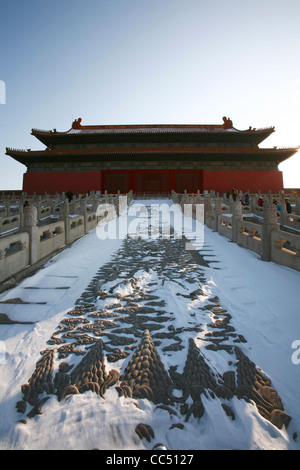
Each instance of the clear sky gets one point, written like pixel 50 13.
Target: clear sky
pixel 148 62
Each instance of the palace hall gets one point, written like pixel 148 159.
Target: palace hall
pixel 152 159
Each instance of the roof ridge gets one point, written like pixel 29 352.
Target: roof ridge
pixel 159 150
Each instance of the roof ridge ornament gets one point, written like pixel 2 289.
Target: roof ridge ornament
pixel 227 123
pixel 76 124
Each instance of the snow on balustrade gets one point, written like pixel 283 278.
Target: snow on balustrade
pixel 14 254
pixel 285 249
pixel 83 216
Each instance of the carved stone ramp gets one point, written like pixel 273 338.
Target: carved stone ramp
pixel 147 328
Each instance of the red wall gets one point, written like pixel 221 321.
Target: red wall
pixel 155 181
pixel 223 181
pixel 152 181
pixel 51 182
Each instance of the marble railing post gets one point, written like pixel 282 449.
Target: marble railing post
pixel 38 204
pixel 64 214
pixel 21 212
pixel 207 207
pixel 83 211
pixel 218 211
pixel 30 226
pixel 71 206
pixel 269 224
pixel 237 214
pixel 283 211
pixel 253 202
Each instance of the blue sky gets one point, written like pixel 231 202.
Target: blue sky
pixel 148 62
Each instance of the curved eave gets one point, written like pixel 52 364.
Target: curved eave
pixel 203 133
pixel 78 155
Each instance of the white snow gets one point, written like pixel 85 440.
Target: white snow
pixel 154 130
pixel 263 300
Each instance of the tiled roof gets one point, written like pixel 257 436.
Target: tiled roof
pixel 77 128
